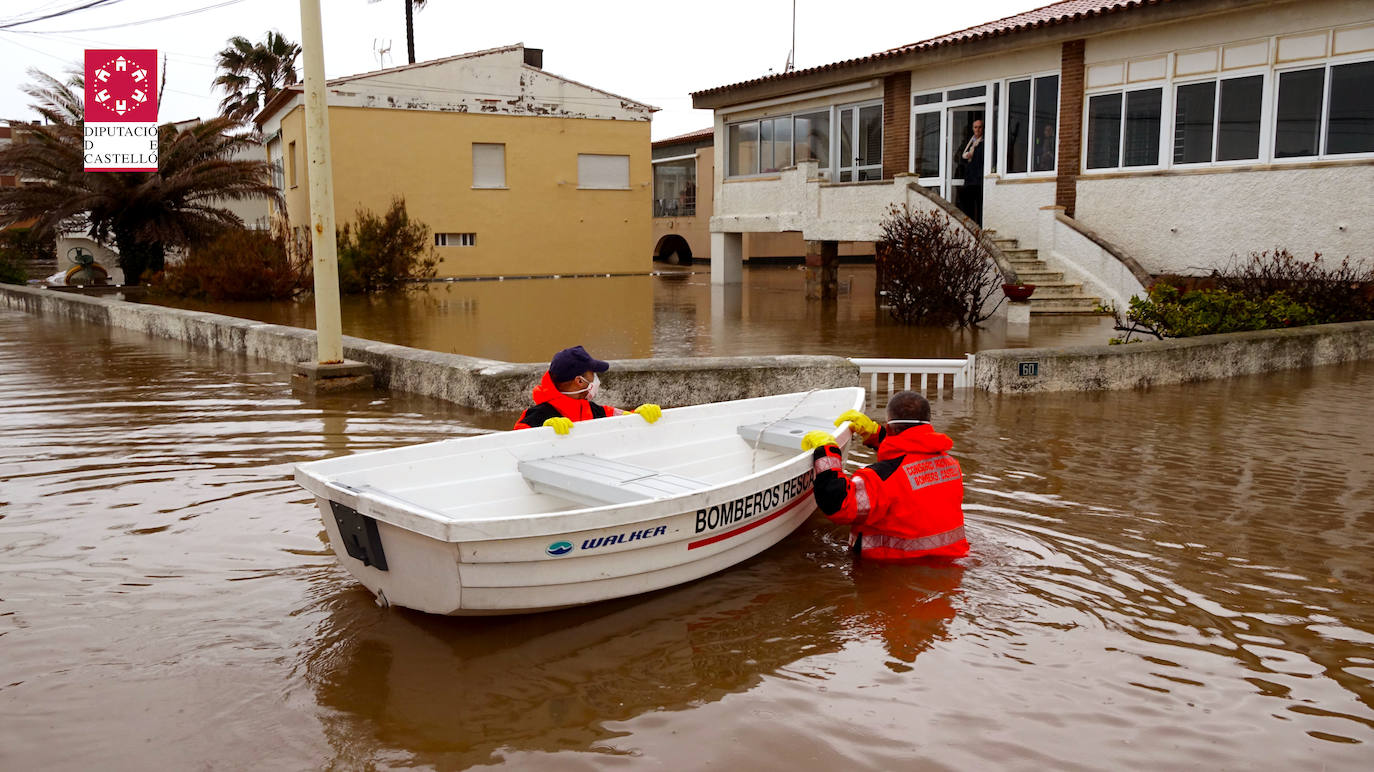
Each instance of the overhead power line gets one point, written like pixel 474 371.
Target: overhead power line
pixel 82 7
pixel 177 15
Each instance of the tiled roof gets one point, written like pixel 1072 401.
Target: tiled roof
pixel 690 136
pixel 1065 12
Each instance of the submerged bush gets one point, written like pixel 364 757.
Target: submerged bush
pixel 238 265
pixel 933 272
pixel 20 247
pixel 1168 312
pixel 378 253
pixel 1334 292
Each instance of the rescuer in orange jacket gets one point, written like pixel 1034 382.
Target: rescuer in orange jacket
pixel 909 504
pixel 565 394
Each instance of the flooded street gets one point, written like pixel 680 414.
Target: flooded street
pixel 675 313
pixel 1165 579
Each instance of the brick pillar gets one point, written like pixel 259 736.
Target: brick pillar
pixel 822 276
pixel 896 124
pixel 1070 125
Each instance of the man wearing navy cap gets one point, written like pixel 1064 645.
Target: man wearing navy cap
pixel 565 394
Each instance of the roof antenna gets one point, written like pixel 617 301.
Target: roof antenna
pixel 380 52
pixel 792 54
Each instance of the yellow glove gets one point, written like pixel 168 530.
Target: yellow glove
pixel 650 412
pixel 865 426
pixel 559 424
pixel 817 438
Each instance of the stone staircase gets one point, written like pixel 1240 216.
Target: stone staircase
pixel 1054 295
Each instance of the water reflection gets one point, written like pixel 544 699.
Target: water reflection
pixel 1180 574
pixel 671 314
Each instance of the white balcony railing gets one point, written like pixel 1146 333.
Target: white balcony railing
pixel 927 376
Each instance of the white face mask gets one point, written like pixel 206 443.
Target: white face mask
pixel 588 393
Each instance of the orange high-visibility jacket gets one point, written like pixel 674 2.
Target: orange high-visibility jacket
pixel 549 402
pixel 908 505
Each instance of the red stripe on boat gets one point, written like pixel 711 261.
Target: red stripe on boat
pixel 743 528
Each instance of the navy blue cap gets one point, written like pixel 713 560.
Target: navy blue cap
pixel 572 362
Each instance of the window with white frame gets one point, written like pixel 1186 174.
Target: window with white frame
pixel 603 172
pixel 1325 111
pixel 488 165
pixel 769 145
pixel 1032 124
pixel 1123 128
pixel 455 239
pixel 1218 120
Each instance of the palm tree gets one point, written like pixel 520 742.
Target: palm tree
pixel 144 213
pixel 252 73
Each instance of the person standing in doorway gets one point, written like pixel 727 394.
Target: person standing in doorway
pixel 971 194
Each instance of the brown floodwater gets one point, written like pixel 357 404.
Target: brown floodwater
pixel 673 313
pixel 1165 579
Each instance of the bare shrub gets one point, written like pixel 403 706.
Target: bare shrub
pixel 933 272
pixel 239 264
pixel 1334 292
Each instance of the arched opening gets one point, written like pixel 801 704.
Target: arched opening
pixel 674 250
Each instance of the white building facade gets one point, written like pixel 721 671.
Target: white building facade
pixel 1184 132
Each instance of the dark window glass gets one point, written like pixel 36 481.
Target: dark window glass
pixel 813 139
pixel 925 99
pixel 991 130
pixel 1350 123
pixel 870 138
pixel 744 149
pixel 1046 119
pixel 965 93
pixel 1018 125
pixel 1104 131
pixel 766 147
pixel 1140 144
pixel 1194 108
pixel 928 144
pixel 1297 126
pixel 1238 117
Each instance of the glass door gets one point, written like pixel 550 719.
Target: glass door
pixel 860 139
pixel 927 151
pixel 960 122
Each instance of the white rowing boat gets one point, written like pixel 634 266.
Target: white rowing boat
pixel 529 521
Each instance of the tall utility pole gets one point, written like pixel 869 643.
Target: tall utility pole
pixel 329 372
pixel 324 251
pixel 792 55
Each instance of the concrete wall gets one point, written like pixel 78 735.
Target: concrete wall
pixel 483 384
pixel 1013 208
pixel 1189 223
pixel 1156 363
pixel 1102 267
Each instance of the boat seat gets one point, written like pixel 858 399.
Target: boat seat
pixel 785 435
pixel 593 480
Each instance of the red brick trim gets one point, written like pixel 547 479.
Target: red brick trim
pixel 896 124
pixel 1070 125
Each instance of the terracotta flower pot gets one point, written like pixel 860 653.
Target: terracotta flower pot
pixel 1018 291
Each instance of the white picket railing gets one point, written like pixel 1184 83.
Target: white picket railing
pixel 921 375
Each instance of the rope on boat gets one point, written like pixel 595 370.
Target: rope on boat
pixel 754 461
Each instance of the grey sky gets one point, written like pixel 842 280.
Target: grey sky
pixel 651 52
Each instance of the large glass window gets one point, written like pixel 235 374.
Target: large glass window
pixel 1104 131
pixel 1133 131
pixel 1018 126
pixel 1350 121
pixel 743 141
pixel 1348 110
pixel 927 155
pixel 675 188
pixel 811 138
pixel 1045 108
pixel 1225 116
pixel 870 142
pixel 1032 121
pixel 760 146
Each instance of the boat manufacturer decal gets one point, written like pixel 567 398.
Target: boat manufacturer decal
pixel 621 538
pixel 758 508
pixel 559 548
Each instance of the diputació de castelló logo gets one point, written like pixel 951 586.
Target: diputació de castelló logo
pixel 121 110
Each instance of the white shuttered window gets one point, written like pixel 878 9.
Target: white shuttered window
pixel 603 172
pixel 488 165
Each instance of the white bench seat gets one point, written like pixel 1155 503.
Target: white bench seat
pixel 593 480
pixel 785 435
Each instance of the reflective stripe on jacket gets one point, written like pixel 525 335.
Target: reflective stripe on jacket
pixel 549 402
pixel 908 505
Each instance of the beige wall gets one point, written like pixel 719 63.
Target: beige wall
pixel 541 223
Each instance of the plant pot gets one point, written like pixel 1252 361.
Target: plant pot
pixel 1018 291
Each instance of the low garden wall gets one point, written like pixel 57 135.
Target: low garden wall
pixel 483 384
pixel 1178 360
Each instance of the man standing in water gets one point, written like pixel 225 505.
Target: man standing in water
pixel 908 505
pixel 565 394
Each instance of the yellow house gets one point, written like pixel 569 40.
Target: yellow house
pixel 516 171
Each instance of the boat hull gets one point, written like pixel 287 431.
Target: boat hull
pixel 535 573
